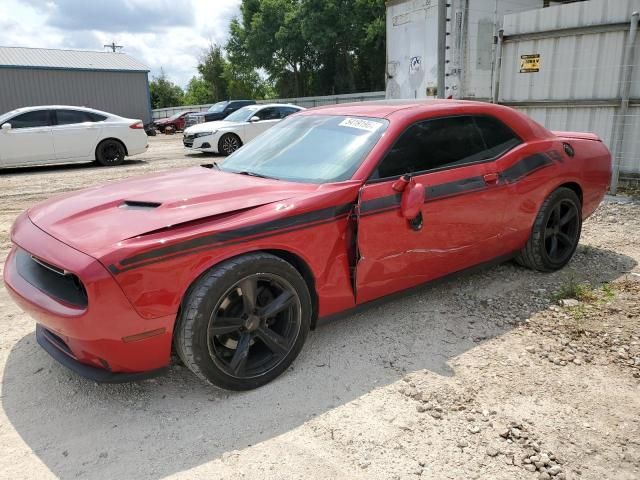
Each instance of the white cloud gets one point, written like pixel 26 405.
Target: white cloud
pixel 162 34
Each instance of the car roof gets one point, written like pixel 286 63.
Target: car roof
pixel 405 112
pixel 387 108
pixel 276 105
pixel 60 107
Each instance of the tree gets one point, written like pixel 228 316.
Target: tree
pixel 243 79
pixel 198 92
pixel 270 37
pixel 212 67
pixel 164 93
pixel 313 47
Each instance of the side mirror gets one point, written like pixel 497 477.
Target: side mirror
pixel 254 119
pixel 413 196
pixel 6 126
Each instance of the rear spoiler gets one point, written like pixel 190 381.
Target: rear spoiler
pixel 578 135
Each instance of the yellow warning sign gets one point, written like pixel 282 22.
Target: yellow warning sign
pixel 530 63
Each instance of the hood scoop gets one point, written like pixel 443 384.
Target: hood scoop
pixel 138 205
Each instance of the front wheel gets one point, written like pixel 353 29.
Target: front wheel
pixel 555 233
pixel 229 143
pixel 110 153
pixel 244 321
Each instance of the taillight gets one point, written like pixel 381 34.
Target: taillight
pixel 137 126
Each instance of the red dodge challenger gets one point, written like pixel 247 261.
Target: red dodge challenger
pixel 231 265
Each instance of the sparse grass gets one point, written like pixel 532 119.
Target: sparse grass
pixel 592 299
pixel 607 292
pixel 587 250
pixel 579 291
pixel 630 190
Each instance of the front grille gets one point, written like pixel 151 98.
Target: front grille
pixel 52 280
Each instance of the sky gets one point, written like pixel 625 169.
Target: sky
pixel 161 34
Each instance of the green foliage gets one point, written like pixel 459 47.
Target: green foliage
pixel 288 48
pixel 312 47
pixel 579 291
pixel 608 292
pixel 164 93
pixel 212 67
pixel 198 92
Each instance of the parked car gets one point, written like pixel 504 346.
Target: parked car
pixel 217 111
pixel 232 264
pixel 226 136
pixel 175 121
pixel 64 134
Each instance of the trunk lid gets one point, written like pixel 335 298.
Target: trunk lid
pixel 578 135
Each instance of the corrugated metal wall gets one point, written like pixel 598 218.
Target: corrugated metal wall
pixel 578 87
pixel 121 93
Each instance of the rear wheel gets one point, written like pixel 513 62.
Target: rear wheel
pixel 110 153
pixel 244 322
pixel 229 143
pixel 555 233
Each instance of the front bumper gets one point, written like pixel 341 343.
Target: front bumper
pixel 205 144
pixel 104 335
pixel 53 346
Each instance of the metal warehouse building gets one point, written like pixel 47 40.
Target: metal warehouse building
pixel 113 82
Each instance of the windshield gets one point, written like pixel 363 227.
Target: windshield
pixel 9 114
pixel 309 148
pixel 217 107
pixel 242 115
pixel 175 116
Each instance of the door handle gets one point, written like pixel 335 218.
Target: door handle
pixel 491 178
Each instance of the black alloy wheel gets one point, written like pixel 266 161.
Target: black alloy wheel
pixel 244 321
pixel 229 143
pixel 555 233
pixel 110 153
pixel 561 232
pixel 254 326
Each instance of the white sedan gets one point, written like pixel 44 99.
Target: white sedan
pixel 242 126
pixel 62 134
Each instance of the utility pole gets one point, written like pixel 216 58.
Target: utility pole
pixel 113 47
pixel 442 47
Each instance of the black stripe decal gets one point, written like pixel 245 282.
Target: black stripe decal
pixel 525 167
pixel 116 270
pixel 458 187
pixel 261 228
pixel 382 203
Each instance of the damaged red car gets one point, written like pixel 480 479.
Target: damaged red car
pixel 231 265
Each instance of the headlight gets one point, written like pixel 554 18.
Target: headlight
pixel 203 134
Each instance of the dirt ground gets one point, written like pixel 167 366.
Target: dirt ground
pixel 499 374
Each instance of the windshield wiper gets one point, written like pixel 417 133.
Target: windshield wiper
pixel 254 174
pixel 211 165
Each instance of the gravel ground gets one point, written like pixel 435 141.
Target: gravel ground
pixel 498 374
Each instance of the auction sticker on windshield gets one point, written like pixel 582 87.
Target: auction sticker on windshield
pixel 361 124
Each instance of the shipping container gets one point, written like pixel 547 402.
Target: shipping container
pixel 412 40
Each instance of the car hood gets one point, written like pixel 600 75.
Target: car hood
pixel 210 126
pixel 94 220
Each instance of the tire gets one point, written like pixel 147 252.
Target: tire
pixel 229 143
pixel 559 224
pixel 226 346
pixel 110 153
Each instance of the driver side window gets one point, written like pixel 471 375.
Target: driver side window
pixel 268 114
pixel 446 142
pixel 36 118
